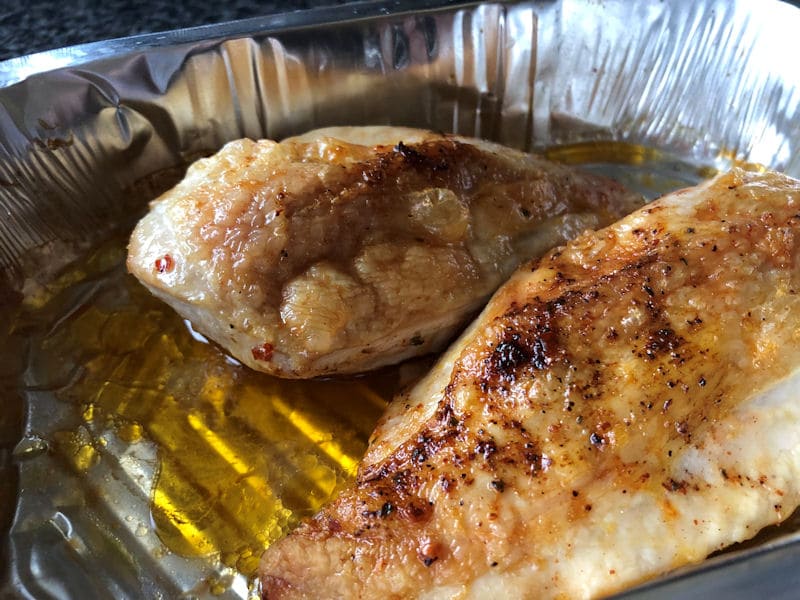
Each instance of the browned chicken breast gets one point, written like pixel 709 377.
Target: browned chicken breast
pixel 347 249
pixel 629 404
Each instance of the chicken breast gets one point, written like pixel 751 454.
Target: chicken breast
pixel 627 405
pixel 350 248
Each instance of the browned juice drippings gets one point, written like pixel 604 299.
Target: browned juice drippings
pixel 640 168
pixel 242 455
pixel 644 168
pixel 603 151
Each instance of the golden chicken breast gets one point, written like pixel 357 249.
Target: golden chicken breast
pixel 626 405
pixel 350 248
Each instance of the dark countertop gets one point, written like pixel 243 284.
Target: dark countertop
pixel 37 25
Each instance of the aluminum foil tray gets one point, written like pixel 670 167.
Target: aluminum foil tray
pixel 138 461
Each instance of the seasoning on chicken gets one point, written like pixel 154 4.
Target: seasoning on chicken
pixel 627 405
pixel 350 248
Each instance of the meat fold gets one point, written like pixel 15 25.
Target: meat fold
pixel 346 249
pixel 626 405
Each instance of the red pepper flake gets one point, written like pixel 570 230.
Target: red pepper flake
pixel 262 352
pixel 165 264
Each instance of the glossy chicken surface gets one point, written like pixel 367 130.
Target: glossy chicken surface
pixel 626 405
pixel 350 248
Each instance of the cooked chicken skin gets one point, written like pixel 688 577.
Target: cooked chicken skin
pixel 626 405
pixel 349 248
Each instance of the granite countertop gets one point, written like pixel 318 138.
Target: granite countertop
pixel 37 25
